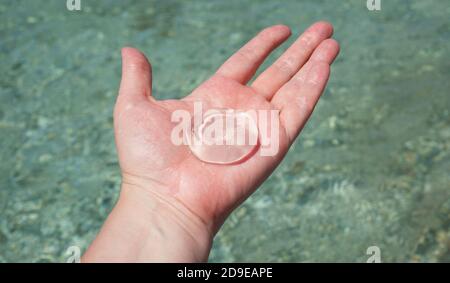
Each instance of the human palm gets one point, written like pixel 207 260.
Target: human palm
pixel 143 126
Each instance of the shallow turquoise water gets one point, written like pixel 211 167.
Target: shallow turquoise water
pixel 371 168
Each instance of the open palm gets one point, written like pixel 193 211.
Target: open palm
pixel 150 161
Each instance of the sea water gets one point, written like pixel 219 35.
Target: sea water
pixel 370 169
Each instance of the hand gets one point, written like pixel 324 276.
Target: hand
pixel 198 196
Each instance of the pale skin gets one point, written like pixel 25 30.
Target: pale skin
pixel 172 204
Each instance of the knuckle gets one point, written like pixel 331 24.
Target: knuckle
pixel 286 65
pixel 307 40
pixel 247 54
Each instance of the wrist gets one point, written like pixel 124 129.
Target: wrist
pixel 149 226
pixel 174 233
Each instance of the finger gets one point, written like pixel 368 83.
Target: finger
pixel 243 64
pixel 136 76
pixel 326 52
pixel 292 60
pixel 299 99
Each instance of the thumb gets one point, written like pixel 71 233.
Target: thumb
pixel 136 83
